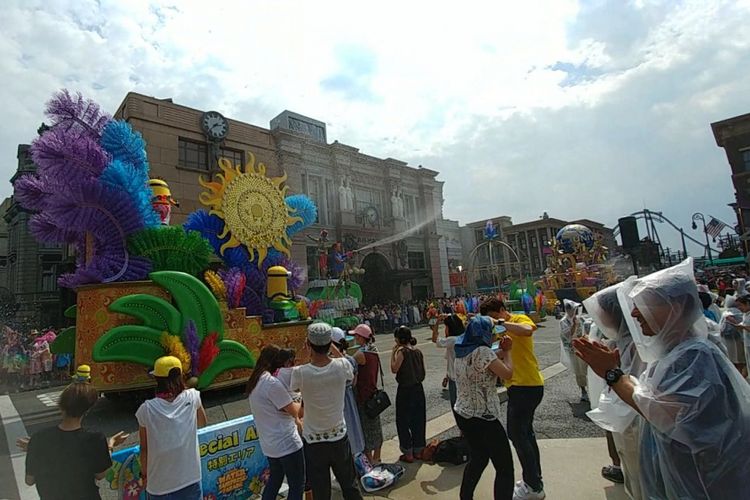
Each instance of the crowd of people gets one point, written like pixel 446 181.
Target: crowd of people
pixel 26 361
pixel 387 317
pixel 669 391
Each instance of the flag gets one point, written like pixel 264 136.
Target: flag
pixel 715 227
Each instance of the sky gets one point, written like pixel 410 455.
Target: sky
pixel 588 109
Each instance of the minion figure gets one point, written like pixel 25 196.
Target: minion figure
pixel 83 374
pixel 278 297
pixel 162 200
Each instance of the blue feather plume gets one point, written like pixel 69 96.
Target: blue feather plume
pixel 238 257
pixel 128 179
pixel 303 207
pixel 210 226
pixel 124 144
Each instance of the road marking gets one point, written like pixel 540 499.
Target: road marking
pixel 15 429
pixel 49 399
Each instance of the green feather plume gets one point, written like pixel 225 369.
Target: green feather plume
pixel 171 248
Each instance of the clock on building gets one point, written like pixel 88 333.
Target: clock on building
pixel 214 125
pixel 371 216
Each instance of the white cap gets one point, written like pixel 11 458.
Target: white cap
pixel 337 334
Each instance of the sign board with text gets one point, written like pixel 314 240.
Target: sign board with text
pixel 233 465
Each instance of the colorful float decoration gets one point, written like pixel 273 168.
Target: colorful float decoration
pixel 144 288
pixel 576 265
pixel 162 200
pixel 334 298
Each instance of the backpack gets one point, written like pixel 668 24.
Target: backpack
pixel 381 476
pixel 454 451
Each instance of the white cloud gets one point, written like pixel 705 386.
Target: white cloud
pixel 582 110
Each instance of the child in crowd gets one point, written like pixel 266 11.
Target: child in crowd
pixel 65 461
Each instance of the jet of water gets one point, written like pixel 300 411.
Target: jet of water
pixel 396 237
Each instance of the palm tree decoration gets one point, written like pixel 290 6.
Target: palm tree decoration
pixel 194 327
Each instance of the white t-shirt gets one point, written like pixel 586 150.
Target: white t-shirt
pixel 450 354
pixel 172 433
pixel 277 431
pixel 323 393
pixel 284 375
pixel 475 386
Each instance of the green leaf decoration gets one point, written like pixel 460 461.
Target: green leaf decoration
pixel 155 312
pixel 171 248
pixel 132 343
pixel 194 300
pixel 71 312
pixel 231 355
pixel 65 343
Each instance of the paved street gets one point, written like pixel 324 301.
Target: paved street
pixel 559 416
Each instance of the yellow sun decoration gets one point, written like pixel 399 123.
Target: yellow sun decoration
pixel 252 206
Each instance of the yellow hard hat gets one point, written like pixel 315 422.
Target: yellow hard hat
pixel 164 365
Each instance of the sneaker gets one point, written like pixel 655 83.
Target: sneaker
pixel 613 473
pixel 523 491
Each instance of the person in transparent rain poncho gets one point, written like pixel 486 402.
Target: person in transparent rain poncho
pixel 731 330
pixel 695 405
pixel 571 327
pixel 610 412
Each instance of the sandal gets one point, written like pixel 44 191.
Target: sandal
pixel 613 473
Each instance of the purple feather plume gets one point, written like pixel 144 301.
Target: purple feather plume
pixel 33 191
pixel 193 346
pixel 252 302
pixel 102 271
pixel 232 284
pixel 64 156
pixel 109 216
pixel 46 230
pixel 298 274
pixel 76 114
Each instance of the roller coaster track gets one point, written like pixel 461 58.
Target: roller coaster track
pixel 650 216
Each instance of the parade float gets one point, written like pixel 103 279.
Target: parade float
pixel 576 266
pixel 335 296
pixel 212 292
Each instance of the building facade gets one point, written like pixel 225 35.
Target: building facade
pixel 395 209
pixel 451 249
pixel 520 250
pixel 31 268
pixel 733 135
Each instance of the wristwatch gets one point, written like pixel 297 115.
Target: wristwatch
pixel 612 376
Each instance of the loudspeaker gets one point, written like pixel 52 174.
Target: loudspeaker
pixel 629 232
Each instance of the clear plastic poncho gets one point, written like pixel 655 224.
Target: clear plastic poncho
pixel 609 411
pixel 696 434
pixel 569 330
pixel 726 327
pixel 740 287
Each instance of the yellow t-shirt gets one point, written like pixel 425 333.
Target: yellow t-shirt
pixel 525 365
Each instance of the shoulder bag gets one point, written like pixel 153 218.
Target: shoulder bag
pixel 380 400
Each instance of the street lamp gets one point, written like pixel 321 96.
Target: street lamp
pixel 699 216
